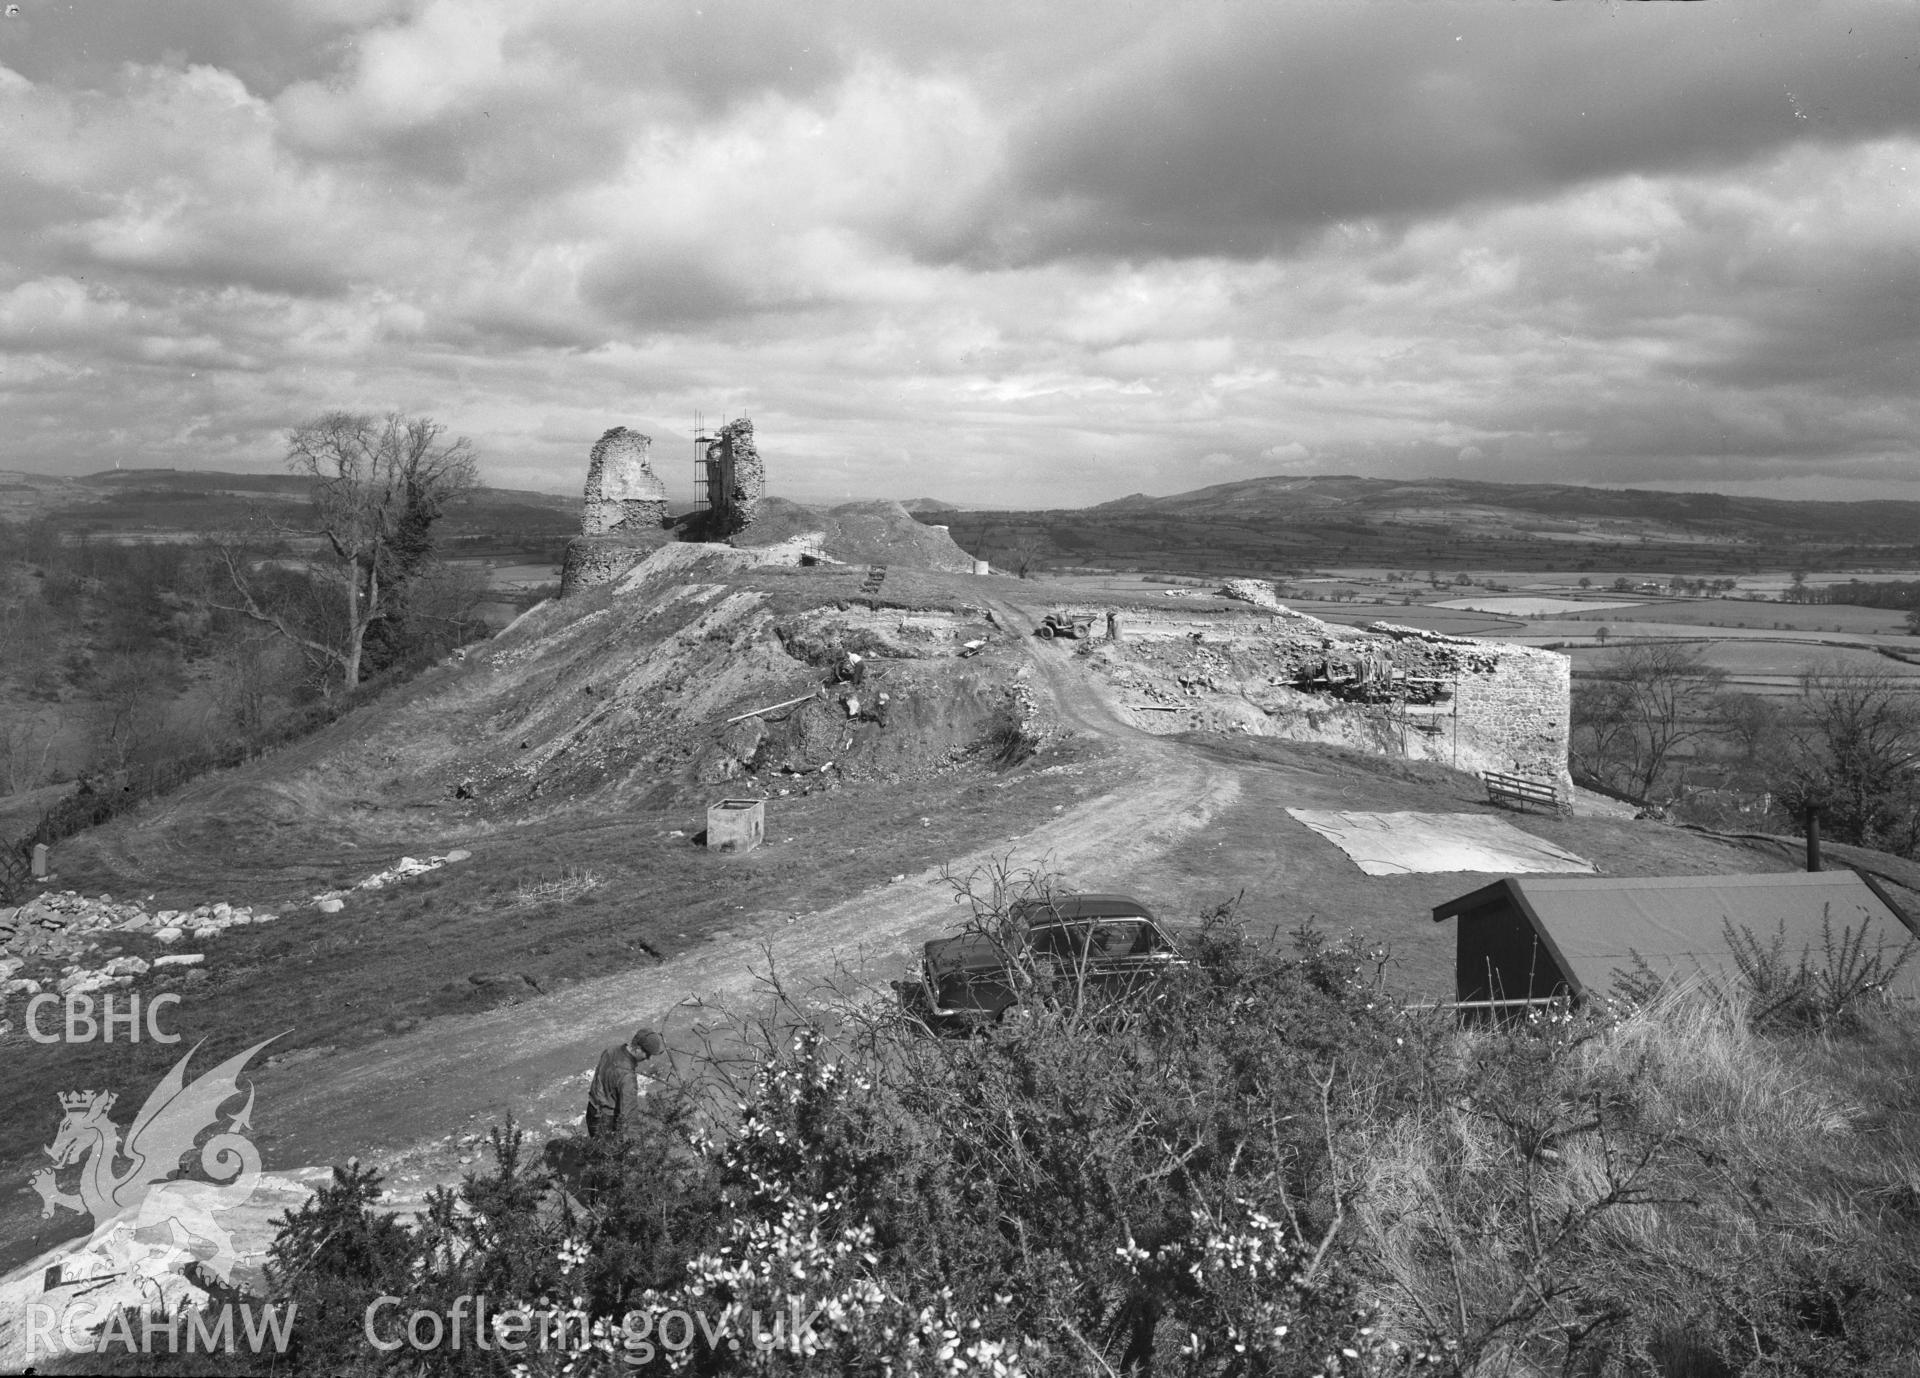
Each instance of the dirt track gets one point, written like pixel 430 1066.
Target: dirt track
pixel 529 1058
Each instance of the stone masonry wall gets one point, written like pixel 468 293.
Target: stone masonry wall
pixel 1476 705
pixel 1512 708
pixel 623 518
pixel 736 479
pixel 622 490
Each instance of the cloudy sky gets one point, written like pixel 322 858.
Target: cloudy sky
pixel 989 251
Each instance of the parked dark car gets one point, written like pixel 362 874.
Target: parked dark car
pixel 1091 951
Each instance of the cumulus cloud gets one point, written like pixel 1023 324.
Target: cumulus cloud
pixel 56 311
pixel 1238 131
pixel 1006 253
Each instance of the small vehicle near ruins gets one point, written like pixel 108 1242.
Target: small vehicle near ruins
pixel 1090 953
pixel 1065 624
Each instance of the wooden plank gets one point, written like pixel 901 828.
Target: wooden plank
pixel 756 712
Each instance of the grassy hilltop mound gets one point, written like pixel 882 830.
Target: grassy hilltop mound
pixel 574 757
pixel 621 699
pixel 857 533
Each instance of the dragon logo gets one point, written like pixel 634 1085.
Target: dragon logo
pixel 169 1214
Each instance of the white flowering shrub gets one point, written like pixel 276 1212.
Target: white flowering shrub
pixel 1158 1194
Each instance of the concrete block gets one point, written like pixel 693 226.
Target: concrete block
pixel 41 862
pixel 736 825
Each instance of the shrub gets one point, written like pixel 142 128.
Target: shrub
pixel 1838 988
pixel 1158 1194
pixel 1261 1167
pixel 585 1231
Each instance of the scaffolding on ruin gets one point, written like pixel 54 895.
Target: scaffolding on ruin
pixel 702 485
pixel 713 478
pixel 1428 723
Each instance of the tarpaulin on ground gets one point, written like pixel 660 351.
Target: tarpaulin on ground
pixel 1397 844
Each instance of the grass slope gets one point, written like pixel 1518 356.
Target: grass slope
pixel 591 737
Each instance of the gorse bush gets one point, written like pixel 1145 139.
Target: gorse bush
pixel 1839 987
pixel 1260 1166
pixel 583 1234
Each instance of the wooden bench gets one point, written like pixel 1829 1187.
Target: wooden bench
pixel 1521 789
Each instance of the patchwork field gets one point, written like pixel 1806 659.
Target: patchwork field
pixel 1529 607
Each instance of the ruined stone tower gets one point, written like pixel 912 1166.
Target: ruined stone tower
pixel 625 514
pixel 735 479
pixel 622 489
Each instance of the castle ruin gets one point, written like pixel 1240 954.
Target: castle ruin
pixel 624 517
pixel 1268 671
pixel 732 479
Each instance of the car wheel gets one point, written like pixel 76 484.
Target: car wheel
pixel 1046 632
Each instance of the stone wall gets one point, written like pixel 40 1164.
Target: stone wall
pixel 623 493
pixel 624 516
pixel 736 479
pixel 1475 705
pixel 1512 707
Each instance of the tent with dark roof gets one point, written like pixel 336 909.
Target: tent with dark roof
pixel 1540 937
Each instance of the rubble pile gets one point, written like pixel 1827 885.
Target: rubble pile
pixel 61 923
pixel 1383 688
pixel 60 942
pixel 1256 591
pixel 331 901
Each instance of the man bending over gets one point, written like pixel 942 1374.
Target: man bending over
pixel 612 1097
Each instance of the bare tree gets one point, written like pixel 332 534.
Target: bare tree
pixel 1856 756
pixel 27 742
pixel 379 486
pixel 132 710
pixel 1753 722
pixel 1601 731
pixel 1650 698
pixel 250 682
pixel 1023 551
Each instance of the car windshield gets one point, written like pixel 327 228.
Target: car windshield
pixel 1122 937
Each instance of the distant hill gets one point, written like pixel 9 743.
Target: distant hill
pixel 918 505
pixel 191 481
pixel 149 503
pixel 1381 500
pixel 1280 523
